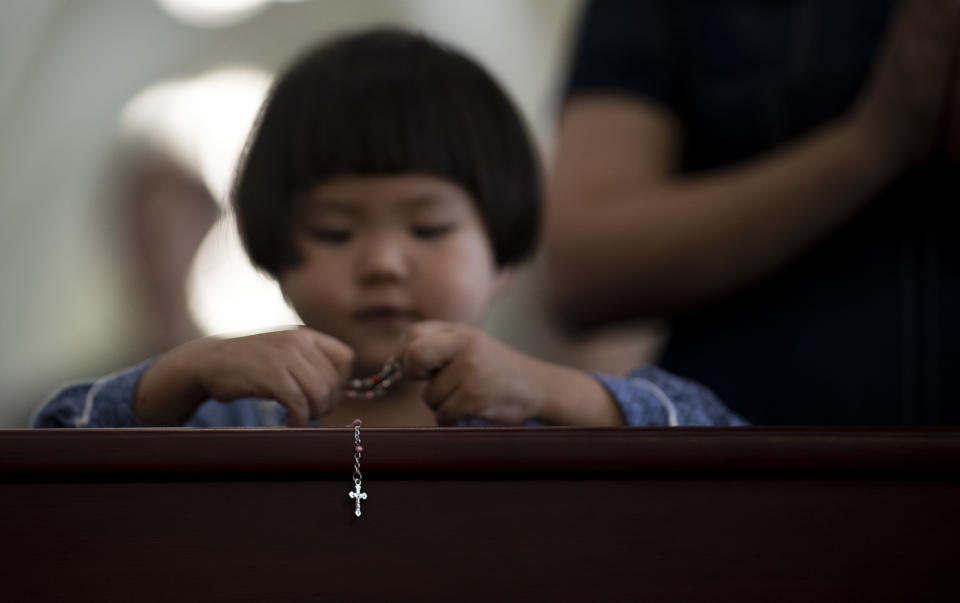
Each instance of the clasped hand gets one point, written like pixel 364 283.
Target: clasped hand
pixel 466 373
pixel 470 374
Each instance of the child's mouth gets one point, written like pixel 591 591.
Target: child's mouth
pixel 385 317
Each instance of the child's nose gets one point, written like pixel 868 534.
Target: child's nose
pixel 383 258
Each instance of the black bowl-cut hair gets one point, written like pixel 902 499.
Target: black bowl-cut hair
pixel 386 102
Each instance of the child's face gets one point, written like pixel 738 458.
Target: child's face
pixel 379 253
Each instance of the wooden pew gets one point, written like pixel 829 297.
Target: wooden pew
pixel 549 514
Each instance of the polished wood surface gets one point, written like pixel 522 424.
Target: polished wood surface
pixel 680 514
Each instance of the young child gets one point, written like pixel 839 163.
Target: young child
pixel 390 188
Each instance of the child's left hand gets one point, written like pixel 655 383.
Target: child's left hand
pixel 472 375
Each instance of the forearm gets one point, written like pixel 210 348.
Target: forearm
pixel 572 397
pixel 656 248
pixel 168 393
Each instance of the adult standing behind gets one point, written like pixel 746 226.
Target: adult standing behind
pixel 772 177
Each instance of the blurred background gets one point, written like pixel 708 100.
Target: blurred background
pixel 120 123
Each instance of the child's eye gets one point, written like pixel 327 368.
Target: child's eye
pixel 431 232
pixel 330 236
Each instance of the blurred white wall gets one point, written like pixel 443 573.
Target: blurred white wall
pixel 68 67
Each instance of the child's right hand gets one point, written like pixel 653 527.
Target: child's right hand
pixel 302 369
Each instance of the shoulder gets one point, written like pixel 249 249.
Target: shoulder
pixel 105 402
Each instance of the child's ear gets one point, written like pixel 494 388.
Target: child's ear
pixel 503 280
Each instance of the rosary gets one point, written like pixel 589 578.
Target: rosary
pixel 375 385
pixel 357 494
pixel 366 389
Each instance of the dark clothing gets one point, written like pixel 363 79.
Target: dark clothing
pixel 863 327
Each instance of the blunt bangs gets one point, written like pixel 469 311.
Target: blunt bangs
pixel 380 103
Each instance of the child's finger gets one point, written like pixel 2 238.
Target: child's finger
pixel 455 407
pixel 419 330
pixel 315 382
pixel 331 371
pixel 287 392
pixel 442 386
pixel 338 353
pixel 424 356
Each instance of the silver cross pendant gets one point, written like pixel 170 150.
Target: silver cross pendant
pixel 357 495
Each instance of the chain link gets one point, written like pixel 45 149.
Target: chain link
pixel 357 476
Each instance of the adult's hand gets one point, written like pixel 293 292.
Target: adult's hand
pixel 907 98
